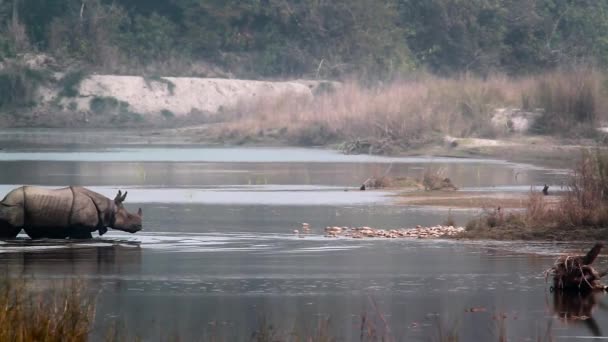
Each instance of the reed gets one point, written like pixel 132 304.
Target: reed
pixel 62 314
pixel 583 208
pixel 422 109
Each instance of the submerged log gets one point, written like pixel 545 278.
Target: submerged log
pixel 576 273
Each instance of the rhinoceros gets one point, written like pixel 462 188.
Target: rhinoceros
pixel 73 212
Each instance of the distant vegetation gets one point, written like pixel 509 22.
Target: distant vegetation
pixel 414 112
pixel 373 40
pixel 413 71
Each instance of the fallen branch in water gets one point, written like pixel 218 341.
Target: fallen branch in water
pixel 576 273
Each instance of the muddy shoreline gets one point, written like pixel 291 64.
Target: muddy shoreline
pixel 542 151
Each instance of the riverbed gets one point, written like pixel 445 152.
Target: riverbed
pixel 218 251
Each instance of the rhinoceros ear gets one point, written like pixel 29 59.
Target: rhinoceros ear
pixel 140 213
pixel 119 198
pixel 124 196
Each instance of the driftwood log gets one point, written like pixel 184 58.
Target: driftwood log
pixel 575 273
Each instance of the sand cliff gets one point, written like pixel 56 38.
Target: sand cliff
pixel 180 95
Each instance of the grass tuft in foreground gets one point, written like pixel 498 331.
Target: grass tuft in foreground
pixel 28 314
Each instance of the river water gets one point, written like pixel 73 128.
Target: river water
pixel 218 252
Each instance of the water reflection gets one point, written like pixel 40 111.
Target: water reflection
pixel 198 263
pixel 61 259
pixel 578 308
pixel 203 174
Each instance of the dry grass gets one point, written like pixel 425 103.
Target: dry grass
pixel 66 312
pixel 421 110
pixel 387 118
pixel 583 208
pixel 27 314
pixel 574 101
pixel 402 114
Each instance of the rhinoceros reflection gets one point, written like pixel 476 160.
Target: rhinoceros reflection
pixel 73 212
pixel 70 259
pixel 578 307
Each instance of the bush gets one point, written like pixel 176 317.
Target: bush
pixel 101 105
pixel 128 117
pixel 167 114
pixel 583 207
pixel 170 85
pixel 19 86
pixel 70 82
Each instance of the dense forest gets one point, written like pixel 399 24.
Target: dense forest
pixel 310 38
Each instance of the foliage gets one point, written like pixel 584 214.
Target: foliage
pixel 374 40
pixel 150 38
pixel 19 86
pixel 581 213
pixel 167 114
pixel 151 79
pixel 70 82
pixel 103 104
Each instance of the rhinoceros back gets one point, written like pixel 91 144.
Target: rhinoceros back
pixel 58 213
pixel 47 208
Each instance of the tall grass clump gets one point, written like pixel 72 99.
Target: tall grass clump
pixel 580 213
pixel 586 201
pixel 573 102
pixel 44 315
pixel 421 109
pixel 383 119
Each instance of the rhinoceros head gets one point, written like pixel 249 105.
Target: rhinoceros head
pixel 123 220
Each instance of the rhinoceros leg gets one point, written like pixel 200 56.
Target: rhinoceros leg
pixel 80 233
pixel 8 231
pixel 49 233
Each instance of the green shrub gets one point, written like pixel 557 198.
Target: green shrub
pixel 19 86
pixel 70 82
pixel 170 85
pixel 104 104
pixel 167 114
pixel 128 117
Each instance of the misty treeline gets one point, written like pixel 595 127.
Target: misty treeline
pixel 371 39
